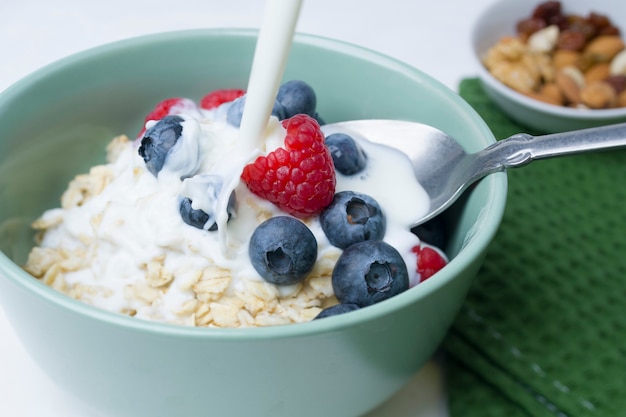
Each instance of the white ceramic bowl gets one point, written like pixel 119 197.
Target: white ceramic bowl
pixel 499 20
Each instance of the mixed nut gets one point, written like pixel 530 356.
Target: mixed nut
pixel 563 59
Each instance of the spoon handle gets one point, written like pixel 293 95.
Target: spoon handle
pixel 521 149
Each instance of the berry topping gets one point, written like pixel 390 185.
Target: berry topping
pixel 299 178
pixel 168 107
pixel 283 250
pixel 235 111
pixel 352 217
pixel 204 190
pixel 429 261
pixel 218 97
pixel 369 272
pixel 158 140
pixel 336 309
pixel 297 97
pixel 348 156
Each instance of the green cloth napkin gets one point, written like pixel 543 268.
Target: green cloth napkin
pixel 543 330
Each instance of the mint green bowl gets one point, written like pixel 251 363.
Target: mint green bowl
pixel 56 122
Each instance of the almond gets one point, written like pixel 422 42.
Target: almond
pixel 598 72
pixel 570 81
pixel 604 48
pixel 598 95
pixel 549 93
pixel 552 92
pixel 565 58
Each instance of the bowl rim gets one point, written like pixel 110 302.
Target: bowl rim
pixel 477 35
pixel 490 218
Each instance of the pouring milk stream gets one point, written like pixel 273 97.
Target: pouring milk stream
pixel 268 65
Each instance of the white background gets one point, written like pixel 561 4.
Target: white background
pixel 430 35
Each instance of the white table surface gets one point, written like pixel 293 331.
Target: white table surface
pixel 430 35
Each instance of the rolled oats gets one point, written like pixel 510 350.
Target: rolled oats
pixel 156 275
pixel 52 219
pixel 41 260
pixel 85 186
pixel 86 293
pixel 116 147
pixel 212 283
pixel 142 292
pixel 207 294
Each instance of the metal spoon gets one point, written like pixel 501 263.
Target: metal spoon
pixel 445 170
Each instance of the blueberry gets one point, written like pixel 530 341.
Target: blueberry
pixel 206 189
pixel 199 218
pixel 352 217
pixel 369 272
pixel 348 156
pixel 193 217
pixel 159 140
pixel 283 250
pixel 297 97
pixel 336 309
pixel 235 111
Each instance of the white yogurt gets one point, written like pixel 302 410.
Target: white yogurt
pixel 135 220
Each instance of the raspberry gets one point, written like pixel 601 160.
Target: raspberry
pixel 429 261
pixel 218 97
pixel 299 178
pixel 162 109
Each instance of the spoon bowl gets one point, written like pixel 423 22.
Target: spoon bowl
pixel 445 169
